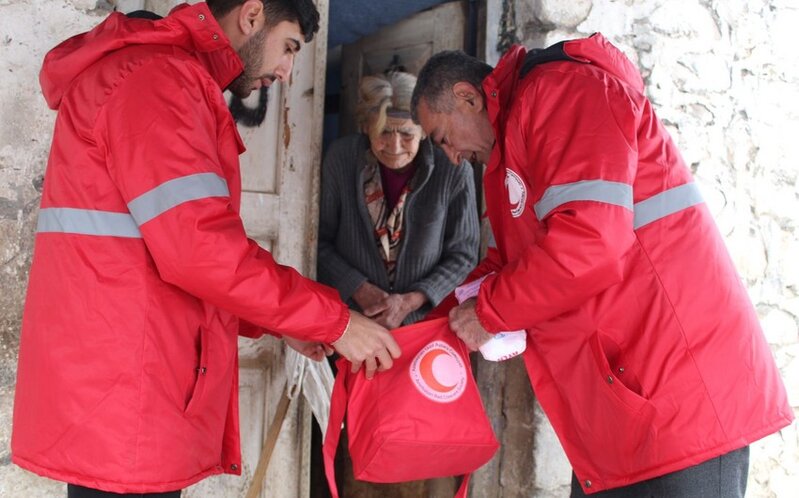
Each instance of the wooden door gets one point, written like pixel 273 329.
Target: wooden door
pixel 404 45
pixel 504 386
pixel 280 212
pixel 408 43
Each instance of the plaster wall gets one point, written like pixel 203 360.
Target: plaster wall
pixel 27 30
pixel 724 77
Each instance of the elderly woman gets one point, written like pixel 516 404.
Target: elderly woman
pixel 397 229
pixel 398 223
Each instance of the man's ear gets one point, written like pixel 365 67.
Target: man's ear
pixel 466 94
pixel 251 17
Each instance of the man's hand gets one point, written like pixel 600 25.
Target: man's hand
pixel 463 321
pixel 313 350
pixel 392 310
pixel 367 343
pixel 368 295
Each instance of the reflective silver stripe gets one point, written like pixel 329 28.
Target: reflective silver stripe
pixel 619 194
pixel 87 222
pixel 174 192
pixel 666 203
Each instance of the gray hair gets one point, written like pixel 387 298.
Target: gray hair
pixel 439 75
pixel 380 94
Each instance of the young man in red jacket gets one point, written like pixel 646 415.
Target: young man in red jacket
pixel 142 275
pixel 643 347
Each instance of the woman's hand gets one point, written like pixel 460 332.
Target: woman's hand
pixel 368 295
pixel 392 310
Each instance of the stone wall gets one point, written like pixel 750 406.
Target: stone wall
pixel 28 29
pixel 724 76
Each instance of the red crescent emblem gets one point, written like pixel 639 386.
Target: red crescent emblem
pixel 439 372
pixel 427 373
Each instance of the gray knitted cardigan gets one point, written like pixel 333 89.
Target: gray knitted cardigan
pixel 441 236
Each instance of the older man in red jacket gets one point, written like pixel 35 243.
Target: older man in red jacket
pixel 643 347
pixel 142 275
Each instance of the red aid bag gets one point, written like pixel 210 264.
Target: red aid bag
pixel 421 419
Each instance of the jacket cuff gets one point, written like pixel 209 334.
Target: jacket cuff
pixel 485 313
pixel 340 326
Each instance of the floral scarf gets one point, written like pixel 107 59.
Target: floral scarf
pixel 388 226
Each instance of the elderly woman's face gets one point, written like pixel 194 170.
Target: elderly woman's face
pixel 397 143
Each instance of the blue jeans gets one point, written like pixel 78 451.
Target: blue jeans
pixel 721 477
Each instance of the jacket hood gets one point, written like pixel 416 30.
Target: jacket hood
pixel 500 85
pixel 190 27
pixel 596 50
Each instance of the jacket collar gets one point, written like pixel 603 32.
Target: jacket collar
pixel 427 162
pixel 209 42
pixel 499 86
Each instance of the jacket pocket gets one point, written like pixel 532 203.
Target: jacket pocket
pixel 606 416
pixel 615 378
pixel 201 370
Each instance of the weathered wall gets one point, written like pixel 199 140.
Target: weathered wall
pixel 724 76
pixel 27 30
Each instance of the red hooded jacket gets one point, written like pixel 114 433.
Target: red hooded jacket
pixel 643 347
pixel 142 272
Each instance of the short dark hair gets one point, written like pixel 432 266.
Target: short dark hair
pixel 440 73
pixel 303 12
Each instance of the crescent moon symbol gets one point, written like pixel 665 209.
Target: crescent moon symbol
pixel 426 371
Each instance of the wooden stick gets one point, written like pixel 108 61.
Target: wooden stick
pixel 269 445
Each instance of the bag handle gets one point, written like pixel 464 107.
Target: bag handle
pixel 464 489
pixel 338 407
